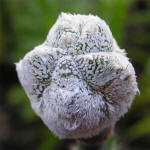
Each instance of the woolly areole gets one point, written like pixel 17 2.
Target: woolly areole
pixel 79 81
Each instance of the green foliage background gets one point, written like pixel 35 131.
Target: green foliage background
pixel 25 23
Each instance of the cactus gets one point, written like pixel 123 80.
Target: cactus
pixel 79 81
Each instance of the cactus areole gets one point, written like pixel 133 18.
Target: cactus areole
pixel 79 81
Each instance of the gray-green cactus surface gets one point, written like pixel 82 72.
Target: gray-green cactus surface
pixel 79 81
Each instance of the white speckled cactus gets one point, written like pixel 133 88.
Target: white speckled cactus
pixel 78 81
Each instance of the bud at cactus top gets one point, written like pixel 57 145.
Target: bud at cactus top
pixel 79 81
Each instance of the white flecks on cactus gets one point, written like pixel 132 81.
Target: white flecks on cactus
pixel 78 81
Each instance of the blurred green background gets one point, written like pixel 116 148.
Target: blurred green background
pixel 25 24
